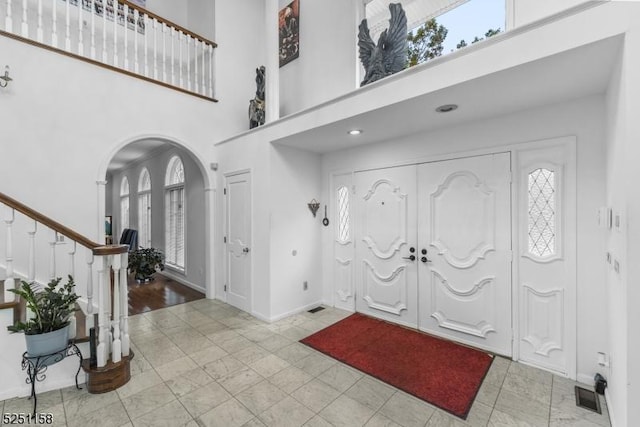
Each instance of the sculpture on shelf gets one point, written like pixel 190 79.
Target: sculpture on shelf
pixel 390 55
pixel 257 105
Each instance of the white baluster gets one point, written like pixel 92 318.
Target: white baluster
pixel 8 21
pixel 126 37
pixel 188 61
pixel 203 45
pixel 103 327
pixel 117 345
pixel 31 271
pixel 105 56
pixel 115 32
pixel 67 39
pixel 53 239
pixel 9 281
pixel 173 57
pixel 39 31
pixel 80 29
pixel 146 44
pixel 93 29
pixel 124 304
pixel 211 71
pixel 196 83
pixel 90 283
pixel 54 24
pixel 155 48
pixel 164 52
pixel 136 66
pixel 180 58
pixel 72 258
pixel 25 23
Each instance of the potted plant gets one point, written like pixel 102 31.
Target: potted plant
pixel 51 307
pixel 144 262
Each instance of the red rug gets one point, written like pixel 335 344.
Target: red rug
pixel 440 372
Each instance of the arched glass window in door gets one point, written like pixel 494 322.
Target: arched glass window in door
pixel 144 208
pixel 124 203
pixel 175 214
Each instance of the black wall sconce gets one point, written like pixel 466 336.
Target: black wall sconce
pixel 5 79
pixel 314 205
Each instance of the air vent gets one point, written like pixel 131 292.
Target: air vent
pixel 587 399
pixel 315 310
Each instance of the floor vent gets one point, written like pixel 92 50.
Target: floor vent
pixel 315 310
pixel 587 399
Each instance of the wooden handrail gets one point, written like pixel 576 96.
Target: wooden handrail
pixel 96 248
pixel 166 21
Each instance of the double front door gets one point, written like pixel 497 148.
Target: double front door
pixel 434 248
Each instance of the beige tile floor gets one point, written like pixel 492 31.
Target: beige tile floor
pixel 207 364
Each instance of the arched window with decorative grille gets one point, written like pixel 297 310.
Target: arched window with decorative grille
pixel 144 208
pixel 175 214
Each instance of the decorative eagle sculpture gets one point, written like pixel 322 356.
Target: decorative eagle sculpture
pixel 390 55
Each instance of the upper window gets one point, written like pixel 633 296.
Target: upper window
pixel 174 214
pixel 542 212
pixel 144 208
pixel 124 203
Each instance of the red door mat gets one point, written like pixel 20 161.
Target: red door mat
pixel 440 372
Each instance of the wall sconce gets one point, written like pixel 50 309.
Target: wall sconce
pixel 4 80
pixel 314 205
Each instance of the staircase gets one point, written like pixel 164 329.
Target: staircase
pixel 40 238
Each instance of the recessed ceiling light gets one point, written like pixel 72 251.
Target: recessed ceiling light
pixel 355 132
pixel 447 108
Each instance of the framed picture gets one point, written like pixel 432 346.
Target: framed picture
pixel 289 32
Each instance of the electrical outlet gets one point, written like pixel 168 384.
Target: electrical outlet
pixel 305 285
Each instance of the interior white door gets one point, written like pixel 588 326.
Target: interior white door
pixel 386 279
pixel 547 257
pixel 464 235
pixel 238 251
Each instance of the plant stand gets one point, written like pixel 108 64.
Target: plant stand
pixel 36 367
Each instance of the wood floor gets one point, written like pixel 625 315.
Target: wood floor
pixel 160 293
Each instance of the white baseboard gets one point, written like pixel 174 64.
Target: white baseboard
pixel 292 312
pixel 183 280
pixel 607 398
pixel 585 379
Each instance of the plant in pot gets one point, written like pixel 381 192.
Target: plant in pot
pixel 51 307
pixel 143 262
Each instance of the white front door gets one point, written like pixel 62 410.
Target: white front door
pixel 433 248
pixel 464 241
pixel 238 239
pixel 386 233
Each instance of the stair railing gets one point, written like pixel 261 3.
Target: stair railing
pixel 99 261
pixel 131 40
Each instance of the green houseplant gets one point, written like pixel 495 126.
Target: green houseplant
pixel 51 307
pixel 143 262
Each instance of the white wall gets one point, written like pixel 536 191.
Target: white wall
pixel 326 66
pixel 295 234
pixel 156 163
pixel 582 118
pixel 520 12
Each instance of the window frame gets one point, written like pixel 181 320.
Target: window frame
pixel 170 187
pixel 125 194
pixel 144 197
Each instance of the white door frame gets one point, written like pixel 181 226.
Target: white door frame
pixel 225 232
pixel 514 149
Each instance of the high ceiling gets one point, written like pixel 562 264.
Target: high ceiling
pixel 134 151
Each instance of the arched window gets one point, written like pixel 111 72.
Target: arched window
pixel 144 208
pixel 174 213
pixel 124 203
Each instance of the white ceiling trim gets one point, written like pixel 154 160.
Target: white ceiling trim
pixel 418 12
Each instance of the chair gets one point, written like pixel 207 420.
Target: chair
pixel 129 237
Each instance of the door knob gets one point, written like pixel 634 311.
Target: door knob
pixel 410 257
pixel 245 250
pixel 425 260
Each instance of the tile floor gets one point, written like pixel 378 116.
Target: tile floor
pixel 207 364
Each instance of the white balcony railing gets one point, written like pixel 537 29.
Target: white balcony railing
pixel 130 40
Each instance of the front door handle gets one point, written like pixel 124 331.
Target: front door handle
pixel 245 250
pixel 425 260
pixel 410 257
